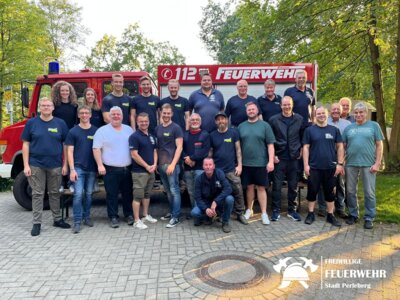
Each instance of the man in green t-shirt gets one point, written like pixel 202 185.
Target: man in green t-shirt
pixel 257 142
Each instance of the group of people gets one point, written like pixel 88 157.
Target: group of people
pixel 223 154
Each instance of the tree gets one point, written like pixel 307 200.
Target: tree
pixel 132 52
pixel 23 44
pixel 65 29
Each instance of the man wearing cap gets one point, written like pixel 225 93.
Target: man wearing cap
pixel 227 155
pixel 207 102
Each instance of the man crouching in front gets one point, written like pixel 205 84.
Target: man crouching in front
pixel 213 196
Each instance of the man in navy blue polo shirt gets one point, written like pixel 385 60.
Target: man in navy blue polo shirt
pixel 146 102
pixel 207 102
pixel 180 105
pixel 82 166
pixel 236 106
pixel 269 103
pixel 117 98
pixel 144 165
pixel 323 156
pixel 227 154
pixel 42 150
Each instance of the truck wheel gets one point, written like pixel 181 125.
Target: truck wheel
pixel 23 192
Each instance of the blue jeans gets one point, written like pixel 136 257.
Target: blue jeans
pixel 190 177
pixel 225 210
pixel 369 182
pixel 116 180
pixel 83 189
pixel 288 168
pixel 171 187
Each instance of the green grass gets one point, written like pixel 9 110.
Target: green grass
pixel 387 198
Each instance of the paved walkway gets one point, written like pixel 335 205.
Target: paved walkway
pixel 188 262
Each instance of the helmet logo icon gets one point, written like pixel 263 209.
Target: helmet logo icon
pixel 296 271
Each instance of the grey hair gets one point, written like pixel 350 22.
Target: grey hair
pixel 195 115
pixel 269 82
pixel 116 108
pixel 361 106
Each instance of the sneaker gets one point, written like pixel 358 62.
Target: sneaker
pixel 275 216
pixel 368 224
pixel 61 224
pixel 88 222
pixel 330 218
pixel 242 219
pixel 71 188
pixel 351 220
pixel 61 189
pixel 77 228
pixel 130 220
pixel 166 217
pixel 310 218
pixel 264 219
pixel 196 222
pixel 226 227
pixel 35 229
pixel 172 223
pixel 140 225
pixel 149 219
pixel 294 216
pixel 114 223
pixel 322 213
pixel 248 214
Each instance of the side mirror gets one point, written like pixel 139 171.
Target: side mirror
pixel 25 96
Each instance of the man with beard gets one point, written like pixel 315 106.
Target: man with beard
pixel 323 157
pixel 236 106
pixel 206 102
pixel 257 142
pixel 269 103
pixel 227 155
pixel 170 139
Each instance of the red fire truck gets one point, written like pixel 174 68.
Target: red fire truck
pixel 224 78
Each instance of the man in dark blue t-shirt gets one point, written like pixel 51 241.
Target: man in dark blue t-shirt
pixel 269 103
pixel 180 105
pixel 323 156
pixel 146 102
pixel 236 106
pixel 207 102
pixel 82 166
pixel 117 98
pixel 42 150
pixel 227 154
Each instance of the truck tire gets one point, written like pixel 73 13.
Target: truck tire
pixel 23 192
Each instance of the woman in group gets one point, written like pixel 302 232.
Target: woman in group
pixel 90 99
pixel 65 103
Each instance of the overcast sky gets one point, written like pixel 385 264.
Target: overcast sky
pixel 175 21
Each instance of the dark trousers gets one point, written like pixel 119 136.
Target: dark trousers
pixel 289 169
pixel 118 180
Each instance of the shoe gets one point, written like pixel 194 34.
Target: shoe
pixel 342 214
pixel 208 221
pixel 140 225
pixel 96 187
pixel 77 228
pixel 114 223
pixel 61 189
pixel 368 224
pixel 188 216
pixel 129 220
pixel 35 229
pixel 322 213
pixel 226 227
pixel 310 218
pixel 330 218
pixel 196 222
pixel 71 188
pixel 172 223
pixel 351 220
pixel 88 222
pixel 248 214
pixel 61 224
pixel 264 219
pixel 294 216
pixel 166 217
pixel 242 219
pixel 149 219
pixel 275 216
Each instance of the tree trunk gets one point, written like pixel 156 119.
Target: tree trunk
pixel 377 80
pixel 394 143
